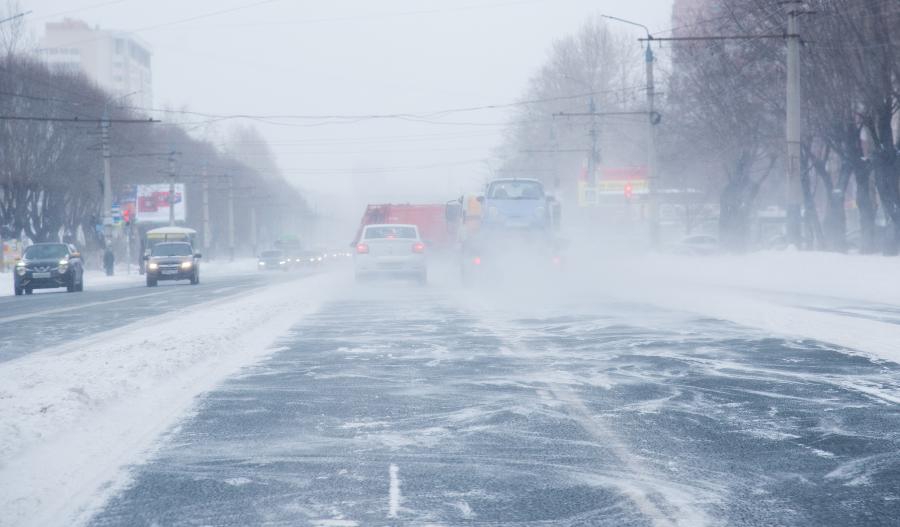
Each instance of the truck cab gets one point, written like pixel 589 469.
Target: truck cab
pixel 517 204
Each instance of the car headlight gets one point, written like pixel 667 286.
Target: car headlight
pixel 153 266
pixel 186 265
pixel 282 262
pixel 262 264
pixel 20 268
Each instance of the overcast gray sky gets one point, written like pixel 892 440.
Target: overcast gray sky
pixel 354 57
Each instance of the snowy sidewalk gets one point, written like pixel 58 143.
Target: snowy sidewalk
pixel 849 301
pixel 73 417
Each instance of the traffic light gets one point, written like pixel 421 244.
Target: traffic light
pixel 628 190
pixel 126 216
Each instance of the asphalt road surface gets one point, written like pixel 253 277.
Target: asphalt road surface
pixel 53 317
pixel 428 406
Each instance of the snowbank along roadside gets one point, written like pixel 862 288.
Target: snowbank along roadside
pixel 72 418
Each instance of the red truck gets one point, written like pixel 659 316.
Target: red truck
pixel 431 218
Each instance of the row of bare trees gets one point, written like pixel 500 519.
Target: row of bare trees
pixel 51 169
pixel 723 132
pixel 727 101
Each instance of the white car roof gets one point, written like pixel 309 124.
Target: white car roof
pixel 392 225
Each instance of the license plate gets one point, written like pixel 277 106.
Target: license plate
pixel 40 275
pixel 170 272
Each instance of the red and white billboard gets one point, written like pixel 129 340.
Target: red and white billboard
pixel 153 203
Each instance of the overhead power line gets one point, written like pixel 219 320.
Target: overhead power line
pixel 74 119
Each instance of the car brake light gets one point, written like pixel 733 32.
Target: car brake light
pixel 418 247
pixel 476 260
pixel 362 248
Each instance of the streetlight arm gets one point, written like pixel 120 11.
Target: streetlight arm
pixel 642 26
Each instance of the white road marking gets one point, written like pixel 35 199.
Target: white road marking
pixel 24 316
pixel 394 497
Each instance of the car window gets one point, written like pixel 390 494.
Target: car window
pixel 516 189
pixel 390 232
pixel 42 252
pixel 171 249
pixel 271 254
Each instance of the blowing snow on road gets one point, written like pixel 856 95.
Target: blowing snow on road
pixel 311 402
pixel 612 263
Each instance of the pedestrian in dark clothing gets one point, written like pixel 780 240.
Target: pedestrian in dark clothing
pixel 109 261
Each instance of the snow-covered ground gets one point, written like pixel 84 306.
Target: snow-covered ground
pixel 847 300
pixel 72 416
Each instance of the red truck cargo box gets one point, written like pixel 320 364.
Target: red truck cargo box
pixel 431 219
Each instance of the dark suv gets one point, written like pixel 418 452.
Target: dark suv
pixel 172 261
pixel 49 265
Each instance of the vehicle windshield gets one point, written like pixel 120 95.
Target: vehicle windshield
pixel 515 189
pixel 172 249
pixel 390 232
pixel 46 252
pixel 271 254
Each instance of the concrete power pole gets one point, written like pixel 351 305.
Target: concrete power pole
pixel 794 204
pixel 107 177
pixel 652 180
pixel 207 235
pixel 230 218
pixel 253 233
pixel 172 188
pixel 592 161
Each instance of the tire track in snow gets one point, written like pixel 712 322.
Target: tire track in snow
pixel 662 502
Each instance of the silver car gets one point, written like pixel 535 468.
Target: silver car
pixel 390 250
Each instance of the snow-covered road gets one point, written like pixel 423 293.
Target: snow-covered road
pixel 316 402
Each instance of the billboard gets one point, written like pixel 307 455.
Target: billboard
pixel 153 203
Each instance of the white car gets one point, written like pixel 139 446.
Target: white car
pixel 390 250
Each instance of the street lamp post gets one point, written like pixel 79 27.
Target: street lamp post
pixel 652 121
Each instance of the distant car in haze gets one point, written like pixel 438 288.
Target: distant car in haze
pixel 173 261
pixel 390 251
pixel 273 261
pixel 47 266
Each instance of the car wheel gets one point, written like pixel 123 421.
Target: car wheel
pixel 80 285
pixel 195 278
pixel 71 287
pixel 151 282
pixel 19 291
pixel 29 291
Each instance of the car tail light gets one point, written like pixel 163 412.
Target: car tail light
pixel 362 248
pixel 418 247
pixel 476 260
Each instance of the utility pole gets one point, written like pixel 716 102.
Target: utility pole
pixel 794 205
pixel 106 213
pixel 595 155
pixel 253 233
pixel 207 235
pixel 230 218
pixel 652 121
pixel 172 188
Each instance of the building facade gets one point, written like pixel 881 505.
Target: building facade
pixel 117 61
